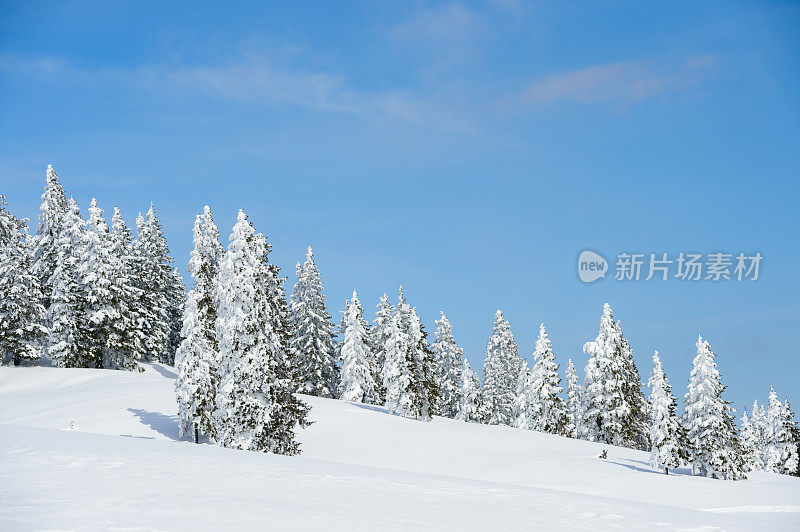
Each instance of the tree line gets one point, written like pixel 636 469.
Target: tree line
pixel 84 295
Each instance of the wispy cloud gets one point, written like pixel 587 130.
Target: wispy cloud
pixel 623 81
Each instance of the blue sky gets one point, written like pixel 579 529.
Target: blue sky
pixel 468 150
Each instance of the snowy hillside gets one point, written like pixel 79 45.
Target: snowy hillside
pixel 98 448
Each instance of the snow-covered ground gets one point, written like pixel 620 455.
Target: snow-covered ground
pixel 98 449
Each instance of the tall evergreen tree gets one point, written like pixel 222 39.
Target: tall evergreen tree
pixel 397 370
pixel 196 358
pixel 501 374
pixel 714 448
pixel 469 396
pixel 67 345
pixel 547 409
pixel 613 405
pixel 751 446
pixel 667 435
pixel 98 276
pixel 21 310
pixel 758 422
pixel 53 208
pixel 159 286
pixel 312 342
pixel 780 452
pixel 256 409
pixel 449 365
pixel 423 385
pixel 357 382
pixel 574 412
pixel 380 336
pixel 523 411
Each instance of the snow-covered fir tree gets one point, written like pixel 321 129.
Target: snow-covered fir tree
pixel 98 275
pixel 751 445
pixel 667 435
pixel 613 405
pixel 21 311
pixel 523 412
pixel 312 342
pixel 357 376
pixel 574 413
pixel 546 408
pixel 780 452
pixel 52 210
pixel 380 336
pixel 255 405
pixel 196 358
pixel 501 374
pixel 67 341
pixel 159 287
pixel 713 443
pixel 469 395
pixel 449 365
pixel 758 422
pixel 396 371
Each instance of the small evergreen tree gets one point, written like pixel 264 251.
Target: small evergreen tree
pixel 714 448
pixel 781 438
pixel 469 395
pixel 357 377
pixel 751 452
pixel 667 435
pixel 195 360
pixel 449 364
pixel 758 422
pixel 523 410
pixel 501 374
pixel 380 336
pixel 397 371
pixel 574 413
pixel 312 342
pixel 547 410
pixel 21 311
pixel 256 409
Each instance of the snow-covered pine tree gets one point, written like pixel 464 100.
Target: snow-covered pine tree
pixel 523 412
pixel 21 310
pixel 196 357
pixel 126 337
pixel 67 344
pixel 613 405
pixel 758 421
pixel 425 390
pixel 397 370
pixel 547 410
pixel 176 297
pixel 380 336
pixel 792 464
pixel 667 435
pixel 256 408
pixel 159 286
pixel 52 210
pixel 713 444
pixel 574 413
pixel 781 444
pixel 312 342
pixel 357 376
pixel 501 374
pixel 449 364
pixel 469 395
pixel 751 445
pixel 98 275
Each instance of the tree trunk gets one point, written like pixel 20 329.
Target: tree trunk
pixel 666 470
pixel 196 435
pixel 17 360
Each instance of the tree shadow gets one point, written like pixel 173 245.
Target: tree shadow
pixel 647 469
pixel 164 371
pixel 161 423
pixel 374 408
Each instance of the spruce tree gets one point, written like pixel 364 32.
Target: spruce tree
pixel 52 210
pixel 574 413
pixel 469 395
pixel 21 312
pixel 751 445
pixel 424 387
pixel 501 374
pixel 380 336
pixel 312 342
pixel 667 435
pixel 714 448
pixel 523 411
pixel 613 405
pixel 67 345
pixel 758 422
pixel 255 406
pixel 98 276
pixel 547 410
pixel 781 437
pixel 357 378
pixel 196 357
pixel 397 371
pixel 449 364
